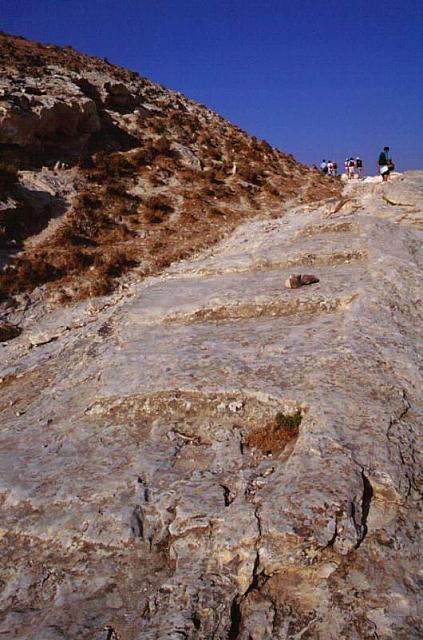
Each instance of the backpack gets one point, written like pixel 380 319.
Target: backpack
pixel 359 163
pixel 382 159
pixel 351 163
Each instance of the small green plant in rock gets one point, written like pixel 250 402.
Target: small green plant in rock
pixel 289 423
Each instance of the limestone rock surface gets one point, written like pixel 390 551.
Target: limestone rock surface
pixel 54 105
pixel 134 505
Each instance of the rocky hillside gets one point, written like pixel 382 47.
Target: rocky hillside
pixel 130 175
pixel 203 453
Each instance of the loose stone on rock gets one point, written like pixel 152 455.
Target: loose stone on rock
pixel 295 281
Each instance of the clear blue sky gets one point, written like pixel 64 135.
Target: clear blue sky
pixel 316 78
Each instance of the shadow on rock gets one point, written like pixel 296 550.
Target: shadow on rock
pixel 27 213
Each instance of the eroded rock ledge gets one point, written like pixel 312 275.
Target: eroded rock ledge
pixel 146 490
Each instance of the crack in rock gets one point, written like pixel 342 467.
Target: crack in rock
pixel 236 619
pixel 228 496
pixel 394 420
pixel 137 523
pixel 366 500
pixel 395 440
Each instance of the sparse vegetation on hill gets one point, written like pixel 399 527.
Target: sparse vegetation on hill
pixel 159 176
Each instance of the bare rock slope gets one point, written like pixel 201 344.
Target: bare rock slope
pixel 207 454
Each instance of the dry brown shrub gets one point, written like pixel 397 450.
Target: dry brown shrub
pixel 163 147
pixel 112 263
pixel 25 273
pixel 177 118
pixel 159 203
pixel 215 211
pixel 159 126
pixel 216 176
pixel 149 152
pixel 156 180
pixel 209 191
pixel 70 234
pixel 142 156
pixel 90 288
pixel 154 219
pixel 86 200
pixel 275 435
pixel 166 166
pixel 70 260
pixel 119 190
pixel 250 173
pixel 114 165
pixel 89 216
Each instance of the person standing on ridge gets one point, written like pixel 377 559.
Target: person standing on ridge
pixel 385 164
pixel 323 166
pixel 359 167
pixel 346 169
pixel 351 168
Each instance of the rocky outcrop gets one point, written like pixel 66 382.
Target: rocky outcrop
pixel 206 454
pixel 188 157
pixel 32 114
pixel 118 96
